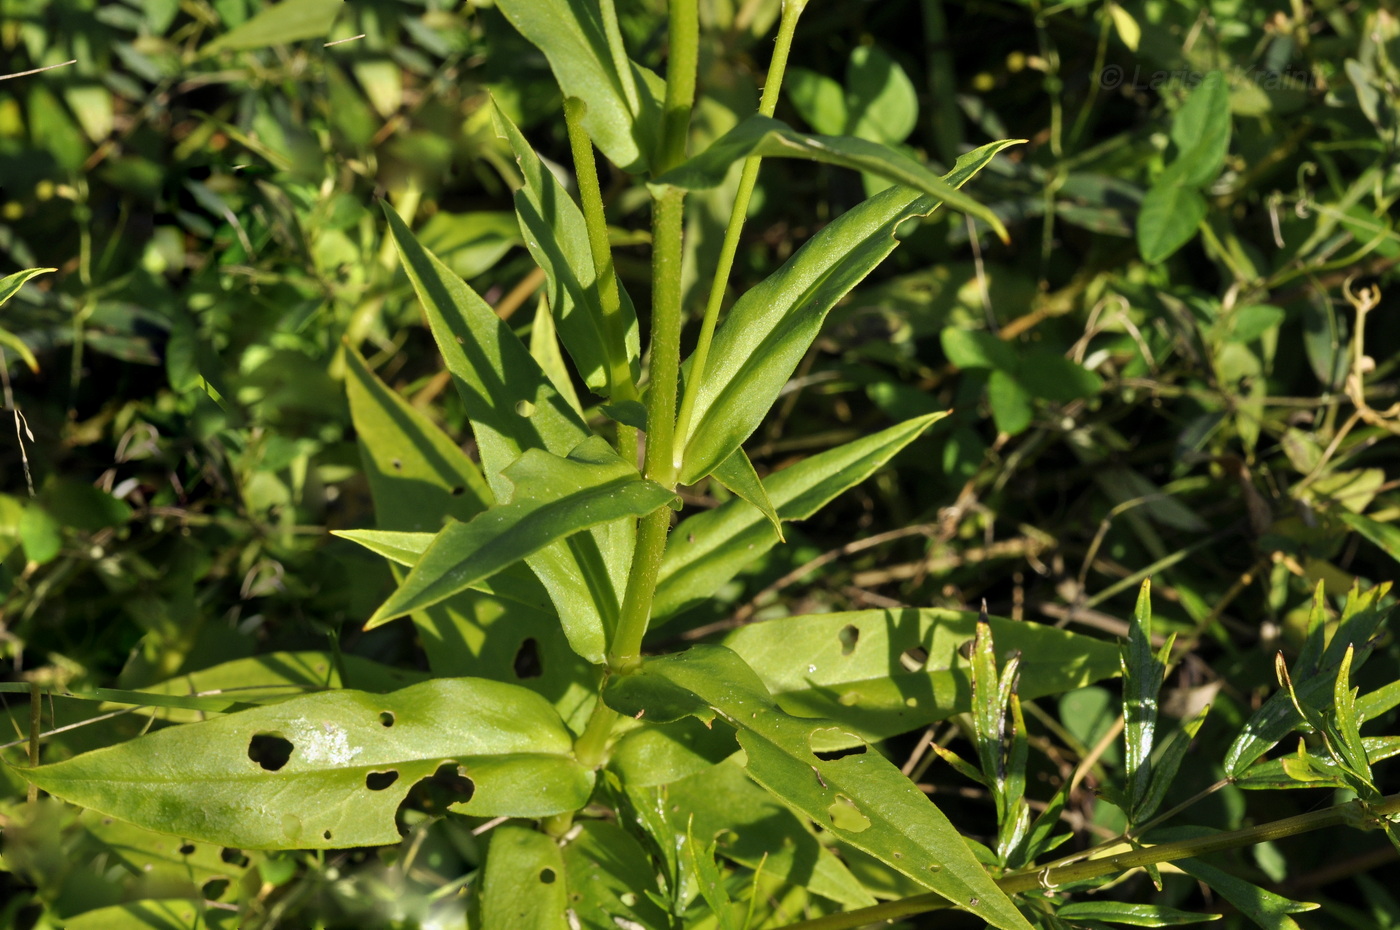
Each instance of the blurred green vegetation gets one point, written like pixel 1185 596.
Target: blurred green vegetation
pixel 1170 369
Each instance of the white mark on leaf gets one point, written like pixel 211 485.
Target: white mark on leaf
pixel 323 742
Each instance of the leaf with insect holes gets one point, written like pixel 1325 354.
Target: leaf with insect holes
pixel 329 770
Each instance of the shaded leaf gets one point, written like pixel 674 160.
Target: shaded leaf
pixel 1169 218
pixel 524 881
pixel 288 21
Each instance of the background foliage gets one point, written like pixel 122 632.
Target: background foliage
pixel 1168 371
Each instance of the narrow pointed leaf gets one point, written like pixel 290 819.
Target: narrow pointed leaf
pixel 701 862
pixel 1264 908
pixel 862 799
pixel 1166 767
pixel 349 759
pixel 513 408
pixel 557 236
pixel 1142 681
pixel 556 498
pixel 1168 219
pixel 846 666
pixel 288 21
pixel 764 137
pixel 623 114
pixel 398 547
pixel 1132 915
pixel 738 475
pixel 710 548
pixel 9 287
pixel 771 327
pixel 1313 675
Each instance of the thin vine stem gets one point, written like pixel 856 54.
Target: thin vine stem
pixel 620 383
pixel 787 27
pixel 1352 813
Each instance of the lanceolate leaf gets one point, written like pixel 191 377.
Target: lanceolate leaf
pixel 1142 680
pixel 417 474
pixel 737 474
pixel 1265 908
pixel 9 287
pixel 846 666
pixel 771 327
pixel 1170 215
pixel 556 498
pixel 1313 675
pixel 329 770
pixel 861 798
pixel 710 548
pixel 622 97
pixel 288 21
pixel 557 236
pixel 763 137
pixel 513 408
pixel 1132 915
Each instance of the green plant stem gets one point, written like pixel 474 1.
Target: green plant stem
pixel 620 384
pixel 683 59
pixel 591 748
pixel 668 223
pixel 1353 813
pixel 787 26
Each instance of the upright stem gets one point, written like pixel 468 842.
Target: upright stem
pixel 787 26
pixel 625 652
pixel 1353 813
pixel 668 218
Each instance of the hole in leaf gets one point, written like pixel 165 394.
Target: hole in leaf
pixel 846 816
pixel 378 781
pixel 914 659
pixel 458 491
pixel 849 636
pixel 397 463
pixel 214 889
pixel 432 795
pixel 187 849
pixel 386 718
pixel 547 876
pixel 833 754
pixel 326 834
pixel 524 408
pixel 233 856
pixel 269 751
pixel 527 659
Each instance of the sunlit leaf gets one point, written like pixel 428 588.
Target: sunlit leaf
pixel 329 770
